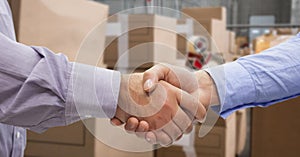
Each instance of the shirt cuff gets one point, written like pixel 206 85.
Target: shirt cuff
pixel 235 87
pixel 92 93
pixel 107 89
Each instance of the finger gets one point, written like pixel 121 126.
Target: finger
pixel 116 122
pixel 189 129
pixel 179 138
pixel 191 104
pixel 182 120
pixel 153 75
pixel 163 139
pixel 142 128
pixel 172 130
pixel 131 124
pixel 151 137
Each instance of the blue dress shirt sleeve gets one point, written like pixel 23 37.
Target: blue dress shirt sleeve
pixel 259 80
pixel 37 91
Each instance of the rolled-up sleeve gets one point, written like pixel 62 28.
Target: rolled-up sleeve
pixel 259 80
pixel 40 89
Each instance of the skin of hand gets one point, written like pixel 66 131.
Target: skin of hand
pixel 204 89
pixel 157 110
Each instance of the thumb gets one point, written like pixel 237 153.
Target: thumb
pixel 153 76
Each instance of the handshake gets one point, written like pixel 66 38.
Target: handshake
pixel 161 104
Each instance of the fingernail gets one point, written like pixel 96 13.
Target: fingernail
pixel 131 127
pixel 148 84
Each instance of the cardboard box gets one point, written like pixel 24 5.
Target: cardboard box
pixel 220 142
pixel 280 39
pixel 241 130
pixel 214 30
pixel 267 41
pixel 145 44
pixel 287 31
pixel 73 141
pixel 181 45
pixel 182 40
pixel 263 42
pixel 275 130
pixel 214 21
pixel 207 13
pixel 15 8
pixel 240 41
pixel 231 53
pixel 60 26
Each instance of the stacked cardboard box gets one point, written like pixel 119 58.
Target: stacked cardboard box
pixel 262 43
pixel 150 38
pixel 207 13
pixel 266 41
pixel 287 31
pixel 275 130
pixel 241 131
pixel 241 40
pixel 213 20
pixel 181 40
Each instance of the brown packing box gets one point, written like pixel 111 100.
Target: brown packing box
pixel 61 26
pixel 207 13
pixel 287 31
pixel 73 141
pixel 181 40
pixel 280 39
pixel 231 54
pixel 214 21
pixel 275 130
pixel 263 42
pixel 218 34
pixel 220 142
pixel 241 130
pixel 149 35
pixel 215 32
pixel 181 45
pixel 240 41
pixel 15 7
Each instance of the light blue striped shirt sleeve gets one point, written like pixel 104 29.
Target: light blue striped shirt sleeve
pixel 259 80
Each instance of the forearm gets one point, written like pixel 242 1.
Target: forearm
pixel 259 80
pixel 38 90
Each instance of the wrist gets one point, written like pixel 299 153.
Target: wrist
pixel 208 91
pixel 121 114
pixel 131 96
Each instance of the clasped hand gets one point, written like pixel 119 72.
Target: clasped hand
pixel 162 103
